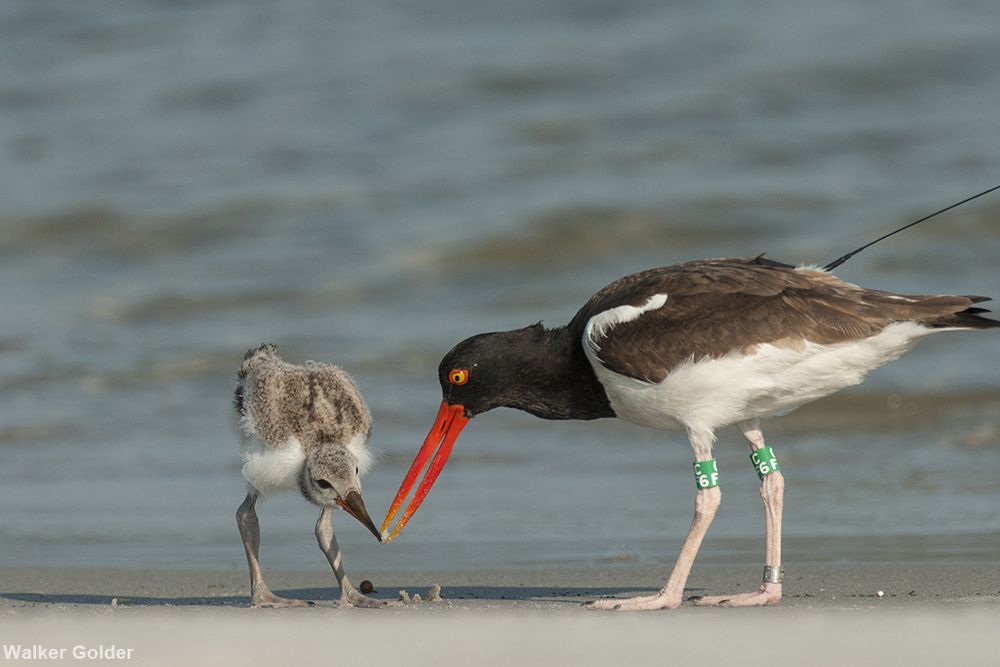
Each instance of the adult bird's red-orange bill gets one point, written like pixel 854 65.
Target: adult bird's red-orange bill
pixel 448 424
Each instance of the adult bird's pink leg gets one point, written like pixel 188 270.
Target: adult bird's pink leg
pixel 772 492
pixel 706 505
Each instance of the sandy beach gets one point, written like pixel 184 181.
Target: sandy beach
pixel 830 615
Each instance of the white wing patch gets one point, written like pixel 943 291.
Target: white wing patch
pixel 599 325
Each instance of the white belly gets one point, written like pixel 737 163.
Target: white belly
pixel 707 394
pixel 270 469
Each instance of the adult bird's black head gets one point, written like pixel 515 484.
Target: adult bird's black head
pixel 473 374
pixel 538 370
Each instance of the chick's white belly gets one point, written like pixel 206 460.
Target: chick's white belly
pixel 269 469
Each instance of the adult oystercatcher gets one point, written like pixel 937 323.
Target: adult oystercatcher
pixel 707 344
pixel 307 428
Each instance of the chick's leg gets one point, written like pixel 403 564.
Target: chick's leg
pixel 260 594
pixel 349 595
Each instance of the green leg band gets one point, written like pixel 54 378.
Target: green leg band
pixel 706 474
pixel 764 462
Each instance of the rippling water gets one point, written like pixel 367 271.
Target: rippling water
pixel 368 183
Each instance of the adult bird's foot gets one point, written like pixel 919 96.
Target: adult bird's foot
pixel 268 600
pixel 355 598
pixel 767 594
pixel 641 603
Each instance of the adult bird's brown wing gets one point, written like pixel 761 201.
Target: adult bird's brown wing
pixel 717 307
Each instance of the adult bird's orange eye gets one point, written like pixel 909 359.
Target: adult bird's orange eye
pixel 458 376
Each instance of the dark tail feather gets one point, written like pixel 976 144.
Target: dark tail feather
pixel 970 318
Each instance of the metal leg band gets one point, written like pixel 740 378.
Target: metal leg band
pixel 773 574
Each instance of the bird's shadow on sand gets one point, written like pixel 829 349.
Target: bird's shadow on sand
pixel 328 596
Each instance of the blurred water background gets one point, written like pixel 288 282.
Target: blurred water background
pixel 368 183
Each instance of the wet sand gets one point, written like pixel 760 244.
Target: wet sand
pixel 831 614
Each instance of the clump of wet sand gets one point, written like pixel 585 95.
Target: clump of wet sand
pixel 433 595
